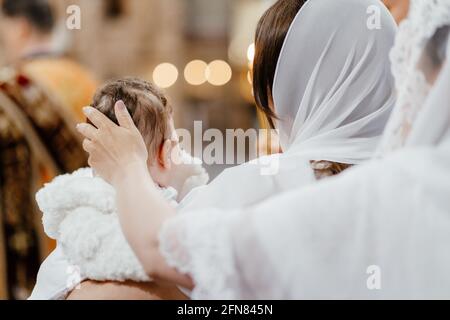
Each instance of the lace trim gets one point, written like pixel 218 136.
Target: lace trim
pixel 425 18
pixel 207 259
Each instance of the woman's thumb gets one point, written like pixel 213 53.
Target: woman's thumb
pixel 123 116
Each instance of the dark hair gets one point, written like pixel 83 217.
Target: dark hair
pixel 38 12
pixel 270 35
pixel 146 104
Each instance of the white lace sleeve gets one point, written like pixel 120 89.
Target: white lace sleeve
pixel 207 259
pixel 319 242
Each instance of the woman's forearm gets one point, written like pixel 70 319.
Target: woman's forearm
pixel 142 212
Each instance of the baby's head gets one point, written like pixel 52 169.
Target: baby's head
pixel 152 115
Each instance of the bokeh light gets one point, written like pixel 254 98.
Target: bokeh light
pixel 218 73
pixel 195 72
pixel 251 52
pixel 165 75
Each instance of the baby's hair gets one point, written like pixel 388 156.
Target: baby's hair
pixel 146 104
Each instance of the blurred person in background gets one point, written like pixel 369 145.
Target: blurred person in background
pixel 37 136
pixel 27 31
pixel 398 8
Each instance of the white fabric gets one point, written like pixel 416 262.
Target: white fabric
pixel 79 211
pixel 251 183
pixel 436 111
pixel 333 88
pixel 195 172
pixel 390 216
pixel 56 278
pixel 333 92
pixel 425 18
pixel 319 242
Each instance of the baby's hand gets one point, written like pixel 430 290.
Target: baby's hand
pixel 188 174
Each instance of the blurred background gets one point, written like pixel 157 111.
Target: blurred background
pixel 54 54
pixel 172 43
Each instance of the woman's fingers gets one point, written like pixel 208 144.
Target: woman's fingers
pixel 97 118
pixel 88 131
pixel 111 146
pixel 123 116
pixel 88 145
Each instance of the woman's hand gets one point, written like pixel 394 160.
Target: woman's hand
pixel 112 148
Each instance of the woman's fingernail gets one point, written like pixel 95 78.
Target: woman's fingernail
pixel 86 110
pixel 121 105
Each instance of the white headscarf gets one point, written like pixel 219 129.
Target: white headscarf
pixel 381 230
pixel 333 89
pixel 333 93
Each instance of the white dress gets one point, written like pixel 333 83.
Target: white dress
pixel 319 242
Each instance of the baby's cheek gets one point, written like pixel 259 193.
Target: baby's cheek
pixel 156 174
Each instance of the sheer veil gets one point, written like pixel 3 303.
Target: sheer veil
pixel 333 88
pixel 436 110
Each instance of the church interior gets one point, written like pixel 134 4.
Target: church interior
pixel 199 52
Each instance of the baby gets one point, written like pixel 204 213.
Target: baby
pixel 152 114
pixel 79 209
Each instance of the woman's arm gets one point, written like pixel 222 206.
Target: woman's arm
pixel 119 155
pixel 137 196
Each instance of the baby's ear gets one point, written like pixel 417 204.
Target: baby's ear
pixel 165 155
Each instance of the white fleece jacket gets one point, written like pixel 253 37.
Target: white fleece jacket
pixel 79 211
